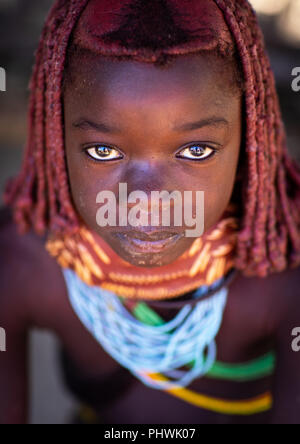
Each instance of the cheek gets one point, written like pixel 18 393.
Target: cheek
pixel 218 193
pixel 86 181
pixel 217 198
pixel 216 181
pixel 83 193
pixel 83 185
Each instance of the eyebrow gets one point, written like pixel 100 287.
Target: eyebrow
pixel 86 124
pixel 212 121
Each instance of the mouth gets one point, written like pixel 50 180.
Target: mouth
pixel 139 242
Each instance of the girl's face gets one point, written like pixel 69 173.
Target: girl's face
pixel 154 129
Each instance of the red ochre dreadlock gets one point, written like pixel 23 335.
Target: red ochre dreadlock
pixel 269 235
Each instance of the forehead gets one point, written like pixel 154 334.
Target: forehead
pixel 189 78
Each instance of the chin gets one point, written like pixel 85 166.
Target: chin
pixel 147 253
pixel 150 260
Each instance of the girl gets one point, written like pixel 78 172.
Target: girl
pixel 155 326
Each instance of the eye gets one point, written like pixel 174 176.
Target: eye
pixel 103 153
pixel 196 152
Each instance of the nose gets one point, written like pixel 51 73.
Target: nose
pixel 147 175
pixel 142 178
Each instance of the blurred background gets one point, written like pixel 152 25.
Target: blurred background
pixel 20 26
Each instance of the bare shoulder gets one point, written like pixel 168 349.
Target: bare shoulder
pixel 28 275
pixel 283 290
pixel 286 296
pixel 264 304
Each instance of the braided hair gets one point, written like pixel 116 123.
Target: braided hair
pixel 149 31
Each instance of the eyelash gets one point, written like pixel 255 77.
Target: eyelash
pixel 201 145
pixel 94 147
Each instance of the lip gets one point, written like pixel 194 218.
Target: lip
pixel 140 242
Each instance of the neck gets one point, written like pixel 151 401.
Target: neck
pixel 210 258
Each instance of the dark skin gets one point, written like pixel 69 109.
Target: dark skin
pixel 260 313
pixel 144 104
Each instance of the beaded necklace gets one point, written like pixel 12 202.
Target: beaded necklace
pixel 104 315
pixel 144 348
pixel 110 297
